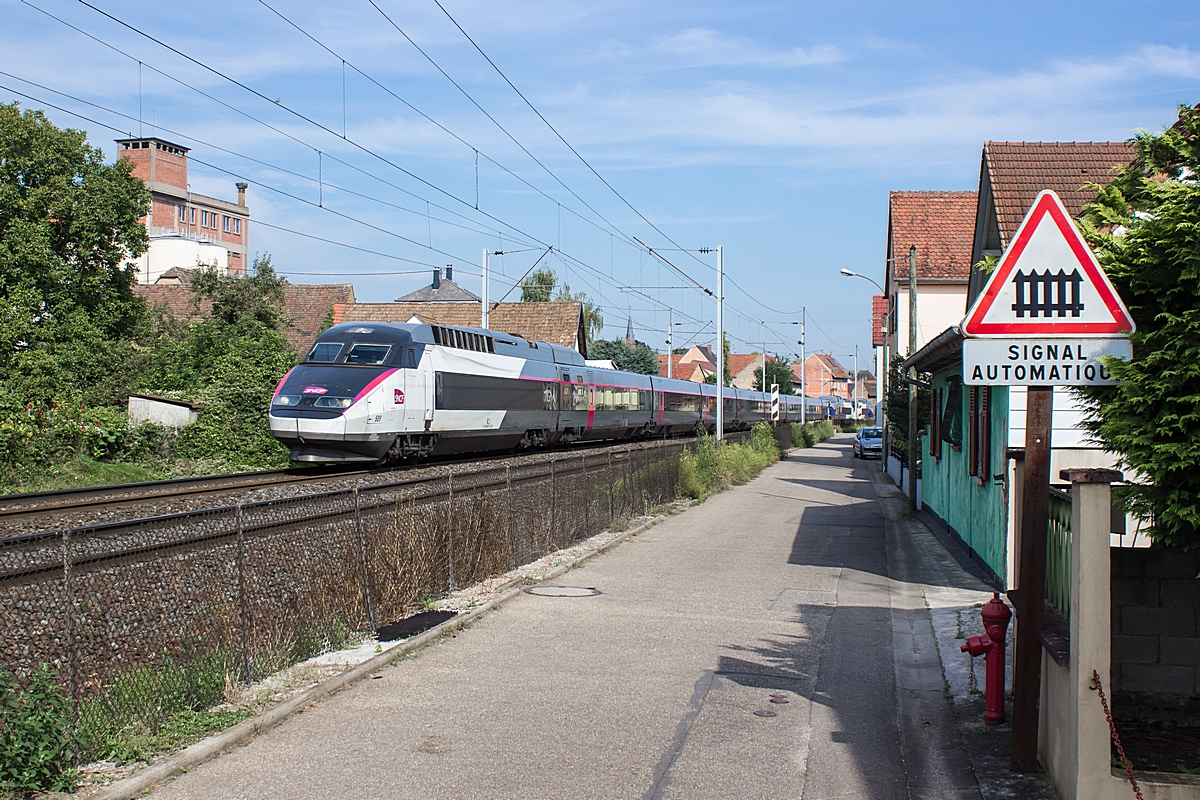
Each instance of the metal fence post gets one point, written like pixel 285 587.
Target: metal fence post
pixel 243 606
pixel 612 489
pixel 587 496
pixel 450 528
pixel 362 559
pixel 508 515
pixel 72 644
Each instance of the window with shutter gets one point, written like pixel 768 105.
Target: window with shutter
pixel 973 431
pixel 985 432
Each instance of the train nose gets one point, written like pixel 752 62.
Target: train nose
pixel 327 429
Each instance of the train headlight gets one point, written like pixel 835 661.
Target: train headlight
pixel 333 402
pixel 287 400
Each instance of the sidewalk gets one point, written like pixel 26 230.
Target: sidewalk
pixel 800 584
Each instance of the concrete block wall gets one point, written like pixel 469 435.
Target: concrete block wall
pixel 1155 632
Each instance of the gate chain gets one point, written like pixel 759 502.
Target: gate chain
pixel 1112 727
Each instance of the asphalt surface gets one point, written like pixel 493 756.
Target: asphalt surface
pixel 796 585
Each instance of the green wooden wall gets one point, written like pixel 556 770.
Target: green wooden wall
pixel 977 511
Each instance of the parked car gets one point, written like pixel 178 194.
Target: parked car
pixel 868 443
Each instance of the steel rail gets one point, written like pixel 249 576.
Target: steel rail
pixel 15 507
pixel 498 481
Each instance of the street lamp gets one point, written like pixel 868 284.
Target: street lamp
pixel 882 378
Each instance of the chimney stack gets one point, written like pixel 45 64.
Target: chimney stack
pixel 437 278
pixel 241 187
pixel 449 272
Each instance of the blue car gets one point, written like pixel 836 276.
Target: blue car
pixel 868 443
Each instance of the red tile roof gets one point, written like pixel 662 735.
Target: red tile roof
pixel 557 323
pixel 305 305
pixel 1017 171
pixel 879 307
pixel 940 224
pixel 836 370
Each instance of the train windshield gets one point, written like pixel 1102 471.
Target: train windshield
pixel 368 353
pixel 325 352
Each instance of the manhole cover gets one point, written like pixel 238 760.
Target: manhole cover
pixel 562 591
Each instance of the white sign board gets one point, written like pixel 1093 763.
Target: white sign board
pixel 1048 361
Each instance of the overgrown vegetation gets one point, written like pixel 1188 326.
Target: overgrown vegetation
pixel 1145 230
pixel 897 405
pixel 154 709
pixel 711 469
pixel 75 341
pixel 36 746
pixel 811 434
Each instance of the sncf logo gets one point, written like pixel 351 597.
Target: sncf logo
pixel 398 398
pixel 314 390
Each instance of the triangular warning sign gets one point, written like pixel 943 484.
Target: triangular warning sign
pixel 1048 283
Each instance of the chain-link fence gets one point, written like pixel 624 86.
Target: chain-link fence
pixel 143 619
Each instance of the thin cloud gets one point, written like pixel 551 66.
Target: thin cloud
pixel 706 47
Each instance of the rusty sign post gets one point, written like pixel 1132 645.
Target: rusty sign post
pixel 1047 317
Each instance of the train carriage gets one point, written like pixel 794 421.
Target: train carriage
pixel 385 391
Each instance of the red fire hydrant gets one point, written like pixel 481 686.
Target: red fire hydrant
pixel 995 622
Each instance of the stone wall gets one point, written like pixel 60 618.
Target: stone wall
pixel 1156 632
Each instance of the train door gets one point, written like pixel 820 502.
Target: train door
pixel 591 399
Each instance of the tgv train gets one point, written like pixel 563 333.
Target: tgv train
pixel 384 391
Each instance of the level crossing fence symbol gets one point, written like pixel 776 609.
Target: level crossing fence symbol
pixel 1048 293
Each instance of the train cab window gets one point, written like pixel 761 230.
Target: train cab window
pixel 325 352
pixel 368 353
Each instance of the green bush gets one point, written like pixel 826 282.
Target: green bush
pixel 127 721
pixel 823 430
pixel 36 745
pixel 711 469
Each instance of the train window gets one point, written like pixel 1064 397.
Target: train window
pixel 326 352
pixel 368 353
pixel 437 390
pixel 550 397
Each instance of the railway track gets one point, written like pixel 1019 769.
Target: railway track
pixel 15 507
pixel 21 507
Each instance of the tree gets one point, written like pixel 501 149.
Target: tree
pixel 631 358
pixel 725 363
pixel 897 404
pixel 539 286
pixel 230 363
pixel 778 371
pixel 69 223
pixel 593 321
pixel 1145 230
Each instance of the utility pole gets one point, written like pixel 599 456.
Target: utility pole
pixel 720 343
pixel 855 383
pixel 484 292
pixel 669 330
pixel 912 377
pixel 803 371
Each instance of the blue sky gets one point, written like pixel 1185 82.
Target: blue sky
pixel 773 129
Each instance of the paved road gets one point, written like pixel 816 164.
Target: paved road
pixel 795 584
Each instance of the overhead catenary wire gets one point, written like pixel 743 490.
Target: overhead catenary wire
pixel 563 256
pixel 76 114
pixel 258 121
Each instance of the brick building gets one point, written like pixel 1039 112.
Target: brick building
pixel 822 375
pixel 185 229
